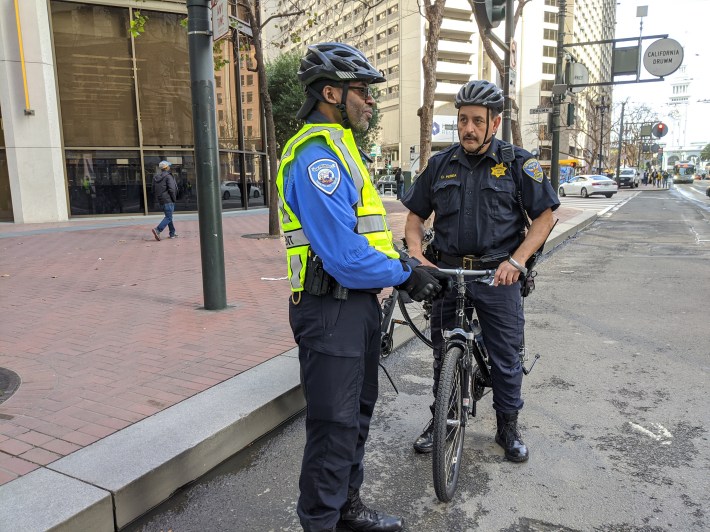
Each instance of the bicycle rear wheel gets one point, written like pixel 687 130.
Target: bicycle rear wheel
pixel 417 315
pixel 449 425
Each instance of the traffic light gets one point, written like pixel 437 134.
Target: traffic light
pixel 489 13
pixel 570 114
pixel 659 130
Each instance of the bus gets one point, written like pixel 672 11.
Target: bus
pixel 683 172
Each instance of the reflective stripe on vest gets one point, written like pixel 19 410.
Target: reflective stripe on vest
pixel 369 210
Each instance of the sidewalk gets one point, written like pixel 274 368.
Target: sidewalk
pixel 128 389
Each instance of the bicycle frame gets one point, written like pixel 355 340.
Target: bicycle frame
pixel 466 334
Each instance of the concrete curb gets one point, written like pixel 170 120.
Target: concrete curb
pixel 106 485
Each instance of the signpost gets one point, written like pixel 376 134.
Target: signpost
pixel 540 110
pixel 220 19
pixel 663 57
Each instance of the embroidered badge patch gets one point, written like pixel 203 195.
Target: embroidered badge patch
pixel 533 169
pixel 498 170
pixel 325 175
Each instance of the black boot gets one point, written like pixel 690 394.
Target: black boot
pixel 425 442
pixel 356 516
pixel 508 437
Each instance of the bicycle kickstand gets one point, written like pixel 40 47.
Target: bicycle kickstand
pixel 526 371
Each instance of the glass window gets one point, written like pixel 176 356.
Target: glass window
pixel 183 170
pixel 164 81
pixel 95 74
pixel 232 187
pixel 104 182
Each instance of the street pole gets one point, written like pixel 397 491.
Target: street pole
pixel 209 207
pixel 558 97
pixel 602 108
pixel 621 137
pixel 508 104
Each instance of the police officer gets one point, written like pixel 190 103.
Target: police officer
pixel 339 255
pixel 472 187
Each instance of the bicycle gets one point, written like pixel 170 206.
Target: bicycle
pixel 416 315
pixel 465 374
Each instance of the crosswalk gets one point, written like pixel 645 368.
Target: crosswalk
pixel 600 204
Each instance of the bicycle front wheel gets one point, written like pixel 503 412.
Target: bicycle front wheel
pixel 417 315
pixel 449 425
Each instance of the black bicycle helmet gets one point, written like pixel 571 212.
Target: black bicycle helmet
pixel 480 92
pixel 338 62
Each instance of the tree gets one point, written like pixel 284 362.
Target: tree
pixel 705 154
pixel 498 62
pixel 251 9
pixel 434 14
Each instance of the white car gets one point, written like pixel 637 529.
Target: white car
pixel 628 177
pixel 231 189
pixel 589 185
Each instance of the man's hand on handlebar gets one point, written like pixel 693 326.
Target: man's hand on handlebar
pixel 506 274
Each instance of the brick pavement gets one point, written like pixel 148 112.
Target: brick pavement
pixel 103 324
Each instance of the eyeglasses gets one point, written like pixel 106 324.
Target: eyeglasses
pixel 365 92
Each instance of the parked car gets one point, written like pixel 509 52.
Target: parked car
pixel 386 183
pixel 233 189
pixel 707 192
pixel 589 185
pixel 628 177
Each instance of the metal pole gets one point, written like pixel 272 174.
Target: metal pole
pixel 558 98
pixel 602 108
pixel 621 137
pixel 204 125
pixel 508 104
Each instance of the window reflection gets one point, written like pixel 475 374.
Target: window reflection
pixel 104 182
pixel 232 185
pixel 95 75
pixel 183 170
pixel 164 81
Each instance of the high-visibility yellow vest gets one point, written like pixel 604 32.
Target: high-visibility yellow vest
pixel 370 212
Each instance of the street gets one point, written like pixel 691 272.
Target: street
pixel 616 410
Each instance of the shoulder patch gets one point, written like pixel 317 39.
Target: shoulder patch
pixel 533 169
pixel 325 175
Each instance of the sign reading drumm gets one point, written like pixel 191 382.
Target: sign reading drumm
pixel 663 57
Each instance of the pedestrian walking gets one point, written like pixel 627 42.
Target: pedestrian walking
pixel 475 189
pixel 165 193
pixel 399 182
pixel 339 254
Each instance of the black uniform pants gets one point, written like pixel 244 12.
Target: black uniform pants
pixel 500 313
pixel 338 350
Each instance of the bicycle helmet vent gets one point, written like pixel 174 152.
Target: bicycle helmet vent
pixel 338 62
pixel 480 92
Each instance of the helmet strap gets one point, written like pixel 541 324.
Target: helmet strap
pixel 342 107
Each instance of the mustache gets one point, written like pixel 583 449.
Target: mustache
pixel 469 137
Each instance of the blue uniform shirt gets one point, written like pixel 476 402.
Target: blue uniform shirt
pixel 474 198
pixel 327 215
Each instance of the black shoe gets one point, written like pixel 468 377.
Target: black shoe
pixel 425 441
pixel 356 516
pixel 508 437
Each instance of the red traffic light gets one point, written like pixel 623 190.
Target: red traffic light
pixel 659 130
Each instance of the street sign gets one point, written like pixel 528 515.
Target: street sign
pixel 540 110
pixel 375 150
pixel 663 57
pixel 580 76
pixel 220 19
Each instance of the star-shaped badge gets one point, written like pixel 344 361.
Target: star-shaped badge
pixel 498 170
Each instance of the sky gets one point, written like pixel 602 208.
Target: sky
pixel 688 22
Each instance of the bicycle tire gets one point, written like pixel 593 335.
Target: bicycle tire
pixel 417 314
pixel 448 425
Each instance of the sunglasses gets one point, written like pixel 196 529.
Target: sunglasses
pixel 365 92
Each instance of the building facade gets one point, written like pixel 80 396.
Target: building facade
pixel 104 96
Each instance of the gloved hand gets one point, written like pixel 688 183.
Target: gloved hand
pixel 424 283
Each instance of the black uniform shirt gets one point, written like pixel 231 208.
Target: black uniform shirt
pixel 474 198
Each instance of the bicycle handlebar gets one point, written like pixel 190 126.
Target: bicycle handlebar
pixel 483 276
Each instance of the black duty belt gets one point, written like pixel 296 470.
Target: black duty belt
pixel 472 262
